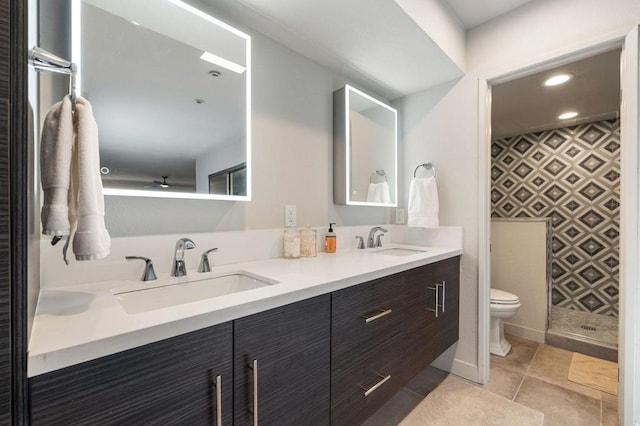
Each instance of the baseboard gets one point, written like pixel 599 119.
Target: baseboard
pixel 524 332
pixel 458 367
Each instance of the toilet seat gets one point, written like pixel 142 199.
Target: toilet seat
pixel 501 297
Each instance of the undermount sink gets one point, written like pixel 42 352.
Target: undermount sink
pixel 401 251
pixel 144 297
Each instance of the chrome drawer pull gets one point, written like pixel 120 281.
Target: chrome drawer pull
pixel 218 385
pixel 254 409
pixel 372 317
pixel 444 289
pixel 367 392
pixel 436 288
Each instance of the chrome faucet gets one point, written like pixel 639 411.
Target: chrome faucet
pixel 179 269
pixel 372 233
pixel 205 266
pixel 149 274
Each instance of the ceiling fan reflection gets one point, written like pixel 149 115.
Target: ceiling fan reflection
pixel 165 184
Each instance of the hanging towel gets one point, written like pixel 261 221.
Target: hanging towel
pixel 379 193
pixel 423 203
pixel 70 170
pixel 91 239
pixel 55 162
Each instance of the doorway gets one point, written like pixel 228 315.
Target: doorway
pixel 629 211
pixel 555 154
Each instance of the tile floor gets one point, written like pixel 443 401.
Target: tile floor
pixel 533 375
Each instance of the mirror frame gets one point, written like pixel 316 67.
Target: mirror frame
pixel 76 57
pixel 342 144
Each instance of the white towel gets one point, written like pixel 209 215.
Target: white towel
pixel 91 240
pixel 423 203
pixel 55 162
pixel 379 193
pixel 70 167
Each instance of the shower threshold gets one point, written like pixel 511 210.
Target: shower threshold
pixel 583 344
pixel 585 332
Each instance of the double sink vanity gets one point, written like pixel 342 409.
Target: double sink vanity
pixel 252 339
pixel 324 340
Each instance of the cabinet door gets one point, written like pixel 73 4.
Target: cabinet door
pixel 447 323
pixel 428 335
pixel 420 328
pixel 281 365
pixel 163 383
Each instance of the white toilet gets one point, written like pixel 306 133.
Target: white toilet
pixel 502 305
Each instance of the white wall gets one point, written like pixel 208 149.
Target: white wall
pixel 443 26
pixel 545 29
pixel 441 124
pixel 519 266
pixel 438 126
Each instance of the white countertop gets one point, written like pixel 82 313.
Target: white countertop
pixel 82 322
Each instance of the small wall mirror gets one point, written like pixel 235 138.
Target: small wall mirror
pixel 365 150
pixel 170 87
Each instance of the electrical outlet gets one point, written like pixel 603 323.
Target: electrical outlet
pixel 290 216
pixel 399 216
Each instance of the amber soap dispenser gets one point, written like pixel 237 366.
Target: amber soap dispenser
pixel 330 240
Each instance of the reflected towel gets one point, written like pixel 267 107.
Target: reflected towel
pixel 91 239
pixel 379 193
pixel 423 203
pixel 55 163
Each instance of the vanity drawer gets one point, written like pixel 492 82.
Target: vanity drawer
pixel 364 317
pixel 358 390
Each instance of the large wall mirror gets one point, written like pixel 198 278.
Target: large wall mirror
pixel 365 151
pixel 170 87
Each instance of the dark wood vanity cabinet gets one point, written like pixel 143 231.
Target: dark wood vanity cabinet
pixel 163 383
pixel 332 359
pixel 282 364
pixel 432 313
pixel 385 332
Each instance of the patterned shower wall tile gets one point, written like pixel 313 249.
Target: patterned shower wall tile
pixel 570 175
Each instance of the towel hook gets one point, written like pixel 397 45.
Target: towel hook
pixel 427 166
pixel 378 176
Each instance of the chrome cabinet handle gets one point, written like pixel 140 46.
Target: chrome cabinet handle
pixel 374 316
pixel 383 380
pixel 254 409
pixel 436 288
pixel 218 385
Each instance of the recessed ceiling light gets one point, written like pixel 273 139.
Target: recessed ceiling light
pixel 214 73
pixel 104 170
pixel 225 63
pixel 568 115
pixel 558 79
pixel 198 101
